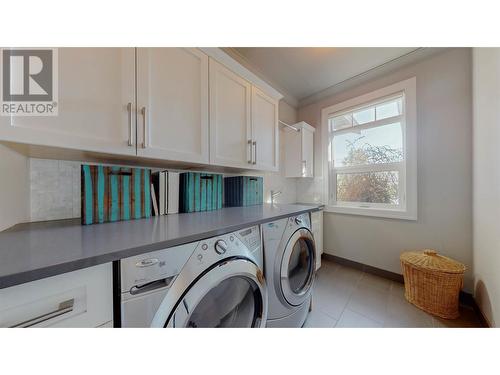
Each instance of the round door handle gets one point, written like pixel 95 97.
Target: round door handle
pixel 220 247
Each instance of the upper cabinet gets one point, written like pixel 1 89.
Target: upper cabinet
pixel 172 102
pixel 178 104
pixel 243 122
pixel 230 118
pixel 299 151
pixel 265 131
pixel 95 106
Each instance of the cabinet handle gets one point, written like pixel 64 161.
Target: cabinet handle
pixel 64 308
pixel 144 128
pixel 255 155
pixel 250 153
pixel 130 126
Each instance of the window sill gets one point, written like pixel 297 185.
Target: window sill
pixel 374 212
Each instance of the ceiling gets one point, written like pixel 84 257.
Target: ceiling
pixel 301 72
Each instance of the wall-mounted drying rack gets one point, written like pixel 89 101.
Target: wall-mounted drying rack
pixel 289 126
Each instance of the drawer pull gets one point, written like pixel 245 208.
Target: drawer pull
pixel 64 308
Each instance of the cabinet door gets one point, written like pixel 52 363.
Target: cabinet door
pixel 81 298
pixel 307 153
pixel 230 127
pixel 172 101
pixel 96 97
pixel 265 131
pixel 293 153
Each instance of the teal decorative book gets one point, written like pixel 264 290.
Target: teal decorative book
pixel 243 191
pixel 200 192
pixel 115 193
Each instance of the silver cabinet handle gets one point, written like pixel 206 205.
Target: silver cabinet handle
pixel 144 134
pixel 64 308
pixel 255 149
pixel 250 149
pixel 130 126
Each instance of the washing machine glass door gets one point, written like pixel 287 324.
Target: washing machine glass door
pixel 297 267
pixel 231 294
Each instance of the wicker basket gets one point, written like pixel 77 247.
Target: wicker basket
pixel 433 282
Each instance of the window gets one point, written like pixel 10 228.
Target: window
pixel 371 153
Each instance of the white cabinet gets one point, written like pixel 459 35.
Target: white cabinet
pixel 179 104
pixel 265 131
pixel 96 97
pixel 82 298
pixel 243 122
pixel 299 151
pixel 317 229
pixel 230 118
pixel 172 102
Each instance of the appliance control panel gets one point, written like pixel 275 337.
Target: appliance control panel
pixel 302 220
pixel 139 271
pixel 236 243
pixel 251 237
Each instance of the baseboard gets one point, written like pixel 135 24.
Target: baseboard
pixel 364 267
pixel 466 299
pixel 479 313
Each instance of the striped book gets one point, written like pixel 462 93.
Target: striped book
pixel 115 193
pixel 243 191
pixel 200 192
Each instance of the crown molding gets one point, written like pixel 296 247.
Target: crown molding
pixel 287 97
pixel 411 57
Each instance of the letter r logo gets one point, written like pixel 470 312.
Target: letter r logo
pixel 27 75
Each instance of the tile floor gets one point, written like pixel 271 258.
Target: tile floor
pixel 349 298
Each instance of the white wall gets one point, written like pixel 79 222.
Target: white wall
pixel 486 94
pixel 14 193
pixel 444 115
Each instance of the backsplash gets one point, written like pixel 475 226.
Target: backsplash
pixel 310 190
pixel 55 189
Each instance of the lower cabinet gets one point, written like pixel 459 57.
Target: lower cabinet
pixel 317 229
pixel 82 298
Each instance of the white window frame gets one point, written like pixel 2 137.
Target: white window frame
pixel 407 209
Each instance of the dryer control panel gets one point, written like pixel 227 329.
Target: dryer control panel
pixel 243 242
pixel 250 237
pixel 302 220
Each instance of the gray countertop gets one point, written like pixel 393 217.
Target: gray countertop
pixel 37 250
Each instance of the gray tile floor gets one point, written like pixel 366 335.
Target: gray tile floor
pixel 346 297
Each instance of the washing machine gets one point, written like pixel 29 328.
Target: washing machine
pixel 290 258
pixel 218 282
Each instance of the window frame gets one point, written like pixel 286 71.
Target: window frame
pixel 407 180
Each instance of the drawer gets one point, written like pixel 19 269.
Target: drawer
pixel 80 298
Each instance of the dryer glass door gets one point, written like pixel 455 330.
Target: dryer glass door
pixel 232 303
pixel 231 294
pixel 297 267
